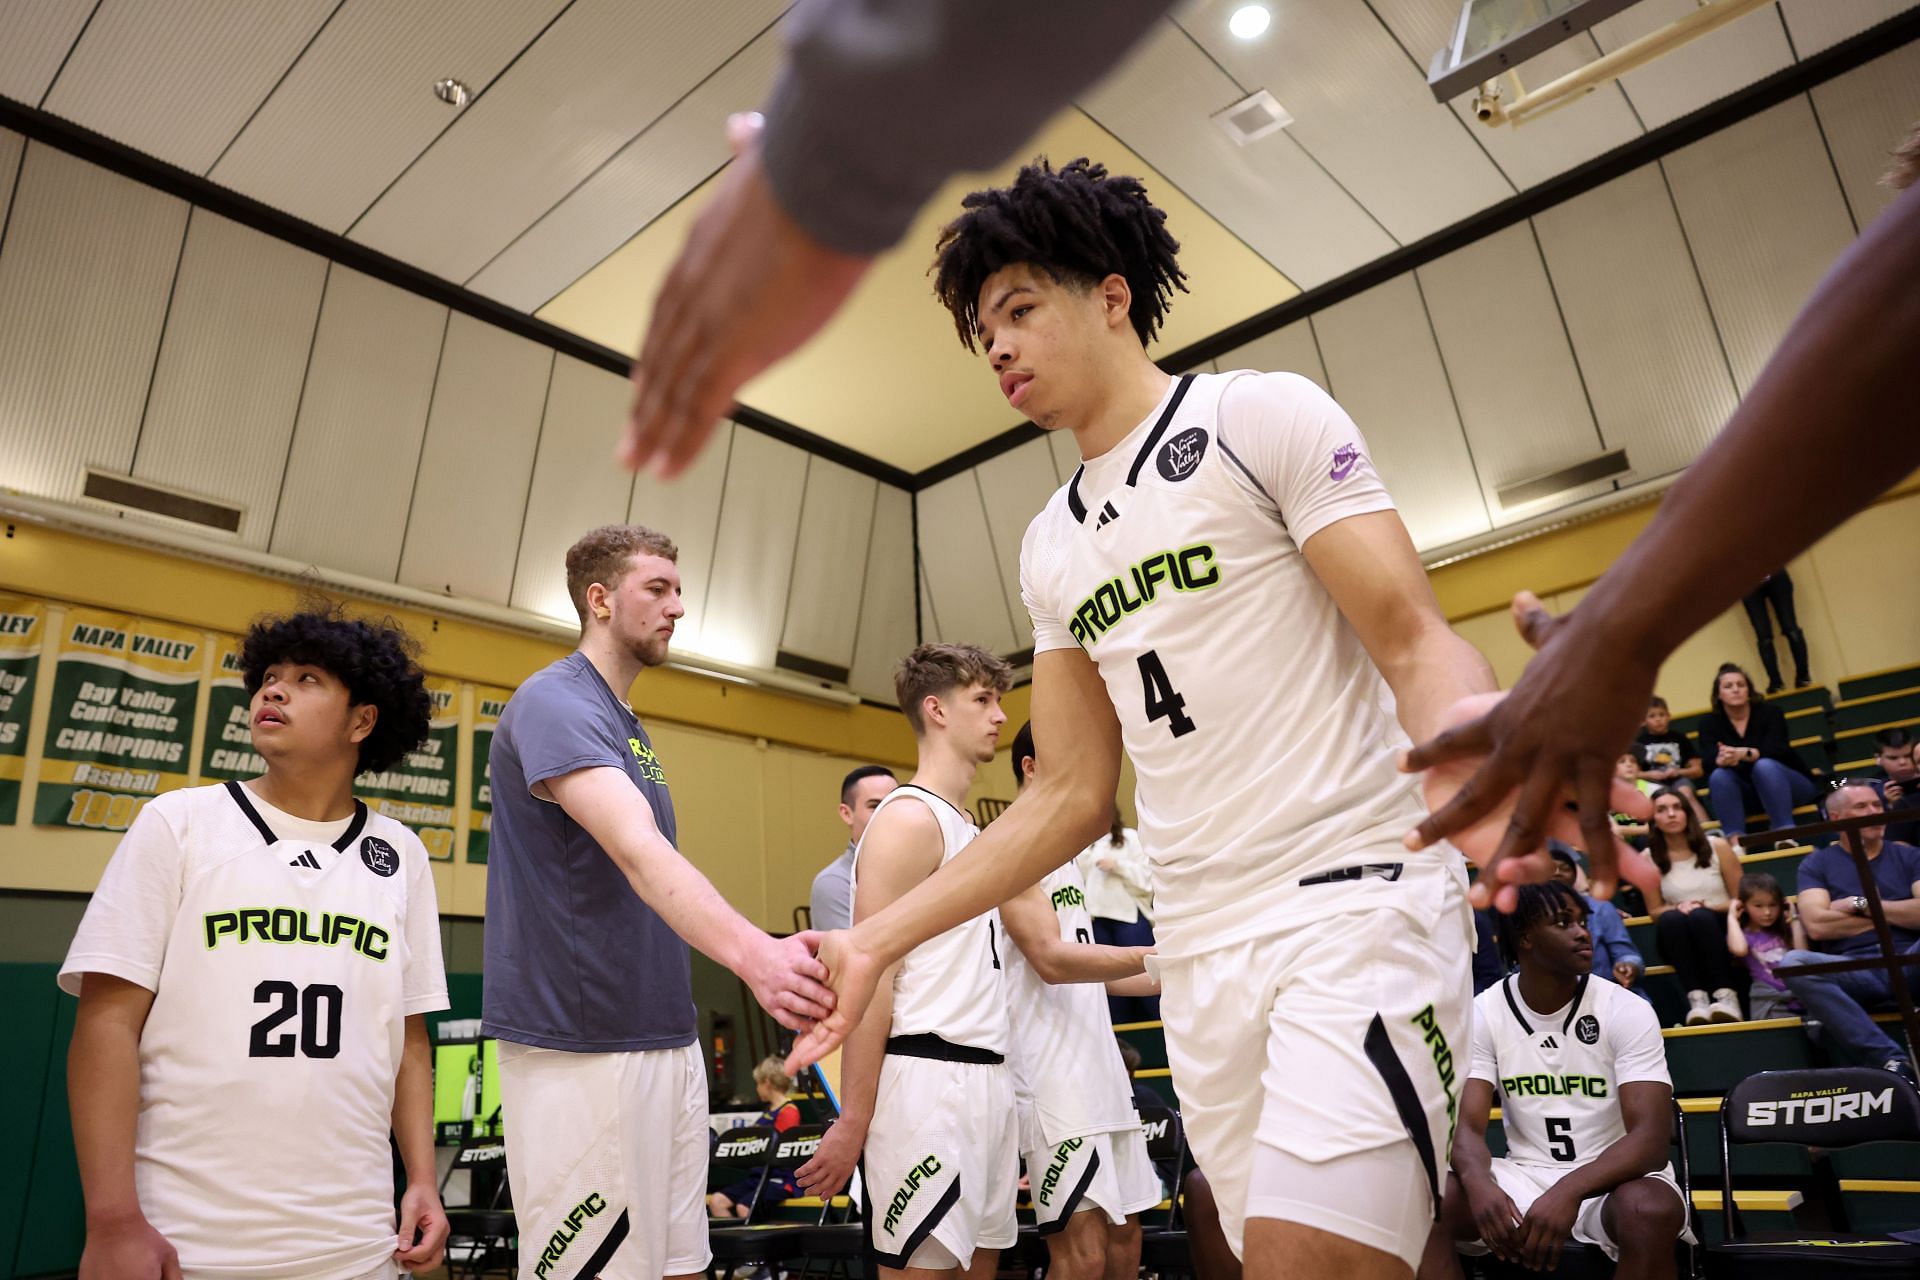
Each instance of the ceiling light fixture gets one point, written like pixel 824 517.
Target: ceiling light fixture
pixel 1249 21
pixel 452 92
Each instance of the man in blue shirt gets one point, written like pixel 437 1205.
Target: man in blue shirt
pixel 1835 915
pixel 1615 958
pixel 590 911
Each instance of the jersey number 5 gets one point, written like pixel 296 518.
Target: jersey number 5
pixel 318 1008
pixel 1162 702
pixel 1560 1138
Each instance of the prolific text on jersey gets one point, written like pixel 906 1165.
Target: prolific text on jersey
pixel 289 926
pixel 1188 569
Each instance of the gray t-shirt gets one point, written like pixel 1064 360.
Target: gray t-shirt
pixel 574 959
pixel 831 904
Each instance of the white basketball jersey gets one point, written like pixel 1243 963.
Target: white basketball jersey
pixel 267 1063
pixel 1067 1071
pixel 951 985
pixel 1557 1076
pixel 1262 735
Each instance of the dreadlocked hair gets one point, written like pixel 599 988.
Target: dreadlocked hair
pixel 1538 904
pixel 1077 224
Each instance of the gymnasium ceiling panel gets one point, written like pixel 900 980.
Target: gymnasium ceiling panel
pixel 1747 49
pixel 1821 24
pixel 1862 114
pixel 39 33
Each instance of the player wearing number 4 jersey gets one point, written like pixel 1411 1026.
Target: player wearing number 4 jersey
pixel 1224 585
pixel 253 975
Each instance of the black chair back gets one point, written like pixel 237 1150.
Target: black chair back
pixel 1167 1148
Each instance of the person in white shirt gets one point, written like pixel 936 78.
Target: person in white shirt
pixel 1580 1073
pixel 1119 888
pixel 254 975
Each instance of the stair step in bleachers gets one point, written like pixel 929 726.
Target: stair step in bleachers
pixel 1889 681
pixel 1876 1204
pixel 1879 709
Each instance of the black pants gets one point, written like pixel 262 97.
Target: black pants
pixel 1777 590
pixel 1695 944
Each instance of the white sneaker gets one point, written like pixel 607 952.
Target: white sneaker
pixel 1725 1006
pixel 1698 1013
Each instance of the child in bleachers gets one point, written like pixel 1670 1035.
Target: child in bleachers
pixel 1668 758
pixel 1627 769
pixel 775 1087
pixel 1761 929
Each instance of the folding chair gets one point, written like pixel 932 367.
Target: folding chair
pixel 485 1223
pixel 761 1152
pixel 1821 1110
pixel 1164 1249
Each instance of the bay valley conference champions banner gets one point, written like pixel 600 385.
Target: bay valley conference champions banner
pixel 23 626
pixel 419 791
pixel 488 703
pixel 120 729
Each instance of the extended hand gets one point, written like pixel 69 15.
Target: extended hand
pixel 1626 973
pixel 1499 781
pixel 748 288
pixel 127 1250
pixel 786 979
pixel 852 974
pixel 833 1160
pixel 421 1215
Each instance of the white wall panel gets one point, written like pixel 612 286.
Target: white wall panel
pixel 1386 373
pixel 1747 49
pixel 688 511
pixel 957 569
pixel 1271 194
pixel 227 385
pixel 829 563
pixel 1640 326
pixel 88 261
pixel 343 504
pixel 1866 113
pixel 38 35
pixel 753 554
pixel 601 73
pixel 1513 373
pixel 12 147
pixel 178 80
pixel 463 533
pixel 576 485
pixel 1362 108
pixel 887 603
pixel 1821 24
pixel 1014 487
pixel 644 179
pixel 1765 217
pixel 1286 350
pixel 355 110
pixel 1066 454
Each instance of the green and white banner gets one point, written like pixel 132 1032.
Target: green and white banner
pixel 419 790
pixel 121 727
pixel 227 752
pixel 488 703
pixel 22 627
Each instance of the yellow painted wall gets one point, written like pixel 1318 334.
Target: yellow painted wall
pixel 755 773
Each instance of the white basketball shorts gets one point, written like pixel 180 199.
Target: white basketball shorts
pixel 1525 1183
pixel 1109 1172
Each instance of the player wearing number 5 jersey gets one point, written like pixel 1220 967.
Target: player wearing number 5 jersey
pixel 253 975
pixel 1225 586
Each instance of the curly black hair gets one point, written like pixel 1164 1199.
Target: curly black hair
pixel 376 660
pixel 1076 224
pixel 1538 903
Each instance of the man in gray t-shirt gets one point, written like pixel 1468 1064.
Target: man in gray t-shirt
pixel 831 904
pixel 590 912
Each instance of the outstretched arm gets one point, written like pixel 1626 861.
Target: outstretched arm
pixel 1839 387
pixel 1035 929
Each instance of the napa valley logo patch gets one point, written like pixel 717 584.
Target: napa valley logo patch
pixel 1180 456
pixel 1588 1028
pixel 381 858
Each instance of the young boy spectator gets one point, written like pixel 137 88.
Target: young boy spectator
pixel 254 975
pixel 1581 1077
pixel 1900 786
pixel 775 1087
pixel 1614 955
pixel 1668 758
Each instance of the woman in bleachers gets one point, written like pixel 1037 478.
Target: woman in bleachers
pixel 1749 757
pixel 1699 875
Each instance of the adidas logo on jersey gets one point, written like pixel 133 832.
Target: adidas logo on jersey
pixel 1549 1043
pixel 307 860
pixel 1108 514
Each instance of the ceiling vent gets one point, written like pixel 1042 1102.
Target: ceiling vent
pixel 1253 117
pixel 1607 466
pixel 139 495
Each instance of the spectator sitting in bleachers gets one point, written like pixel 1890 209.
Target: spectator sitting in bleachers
pixel 1761 929
pixel 1667 757
pixel 775 1087
pixel 1580 1072
pixel 1626 769
pixel 1836 919
pixel 1749 757
pixel 1698 876
pixel 1900 780
pixel 1615 958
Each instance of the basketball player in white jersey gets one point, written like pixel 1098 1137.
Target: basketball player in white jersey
pixel 927 1100
pixel 1226 585
pixel 1580 1073
pixel 1087 1164
pixel 254 973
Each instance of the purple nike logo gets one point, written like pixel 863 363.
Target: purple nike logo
pixel 1343 460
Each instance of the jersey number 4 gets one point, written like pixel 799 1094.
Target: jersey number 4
pixel 318 1008
pixel 1162 702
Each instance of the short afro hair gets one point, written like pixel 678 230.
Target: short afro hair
pixel 1077 224
pixel 375 660
pixel 1538 904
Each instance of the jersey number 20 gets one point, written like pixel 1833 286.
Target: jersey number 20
pixel 318 1008
pixel 1162 702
